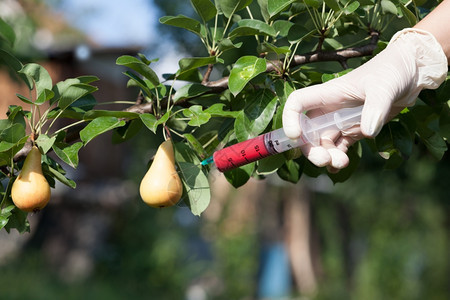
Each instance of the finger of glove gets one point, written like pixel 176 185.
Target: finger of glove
pixel 345 142
pixel 349 137
pixel 306 99
pixel 319 156
pixel 339 159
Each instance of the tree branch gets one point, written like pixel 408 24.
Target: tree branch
pixel 340 56
pixel 220 85
pixel 207 74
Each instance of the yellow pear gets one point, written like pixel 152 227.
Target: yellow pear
pixel 31 191
pixel 161 185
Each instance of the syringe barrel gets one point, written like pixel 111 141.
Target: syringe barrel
pixel 344 118
pixel 240 154
pixel 276 141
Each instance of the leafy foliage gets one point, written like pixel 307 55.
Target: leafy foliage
pixel 261 49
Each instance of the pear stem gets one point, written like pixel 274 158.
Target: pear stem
pixel 167 132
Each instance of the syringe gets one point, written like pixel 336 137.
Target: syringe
pixel 276 141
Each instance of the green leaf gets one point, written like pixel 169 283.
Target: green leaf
pixel 352 7
pixel 216 110
pixel 7 33
pixel 39 75
pixel 227 44
pixel 5 213
pixel 187 64
pixel 190 91
pixel 151 122
pixel 276 6
pixel 196 145
pixel 433 141
pixel 197 115
pixel 24 99
pixel 5 123
pixel 333 4
pixel 239 176
pixel 68 153
pixel 327 77
pixel 264 11
pixel 354 153
pixel 394 160
pixel 196 185
pixel 15 64
pixel 185 23
pixel 332 43
pixel 68 95
pixel 268 47
pixel 44 96
pixel 16 115
pixel 69 113
pixel 99 126
pixel 85 103
pixel 290 171
pixel 283 89
pixel 93 114
pixel 193 75
pixel 127 132
pixel 195 181
pixel 256 115
pixel 282 27
pixel 18 220
pixel 10 149
pixel 229 7
pixel 137 81
pixel 298 32
pixel 252 27
pixel 388 7
pixel 87 79
pixel 44 142
pixel 5 159
pixel 313 3
pixel 12 134
pixel 61 178
pixel 60 89
pixel 138 66
pixel 270 164
pixel 245 69
pixel 409 15
pixel 205 9
pixel 184 153
pixel 402 138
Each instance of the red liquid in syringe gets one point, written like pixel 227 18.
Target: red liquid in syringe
pixel 240 154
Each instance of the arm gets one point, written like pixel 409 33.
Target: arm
pixel 438 23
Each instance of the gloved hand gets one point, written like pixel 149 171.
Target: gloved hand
pixel 389 82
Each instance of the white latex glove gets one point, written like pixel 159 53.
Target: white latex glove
pixel 386 84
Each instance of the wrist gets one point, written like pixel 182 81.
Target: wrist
pixel 429 57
